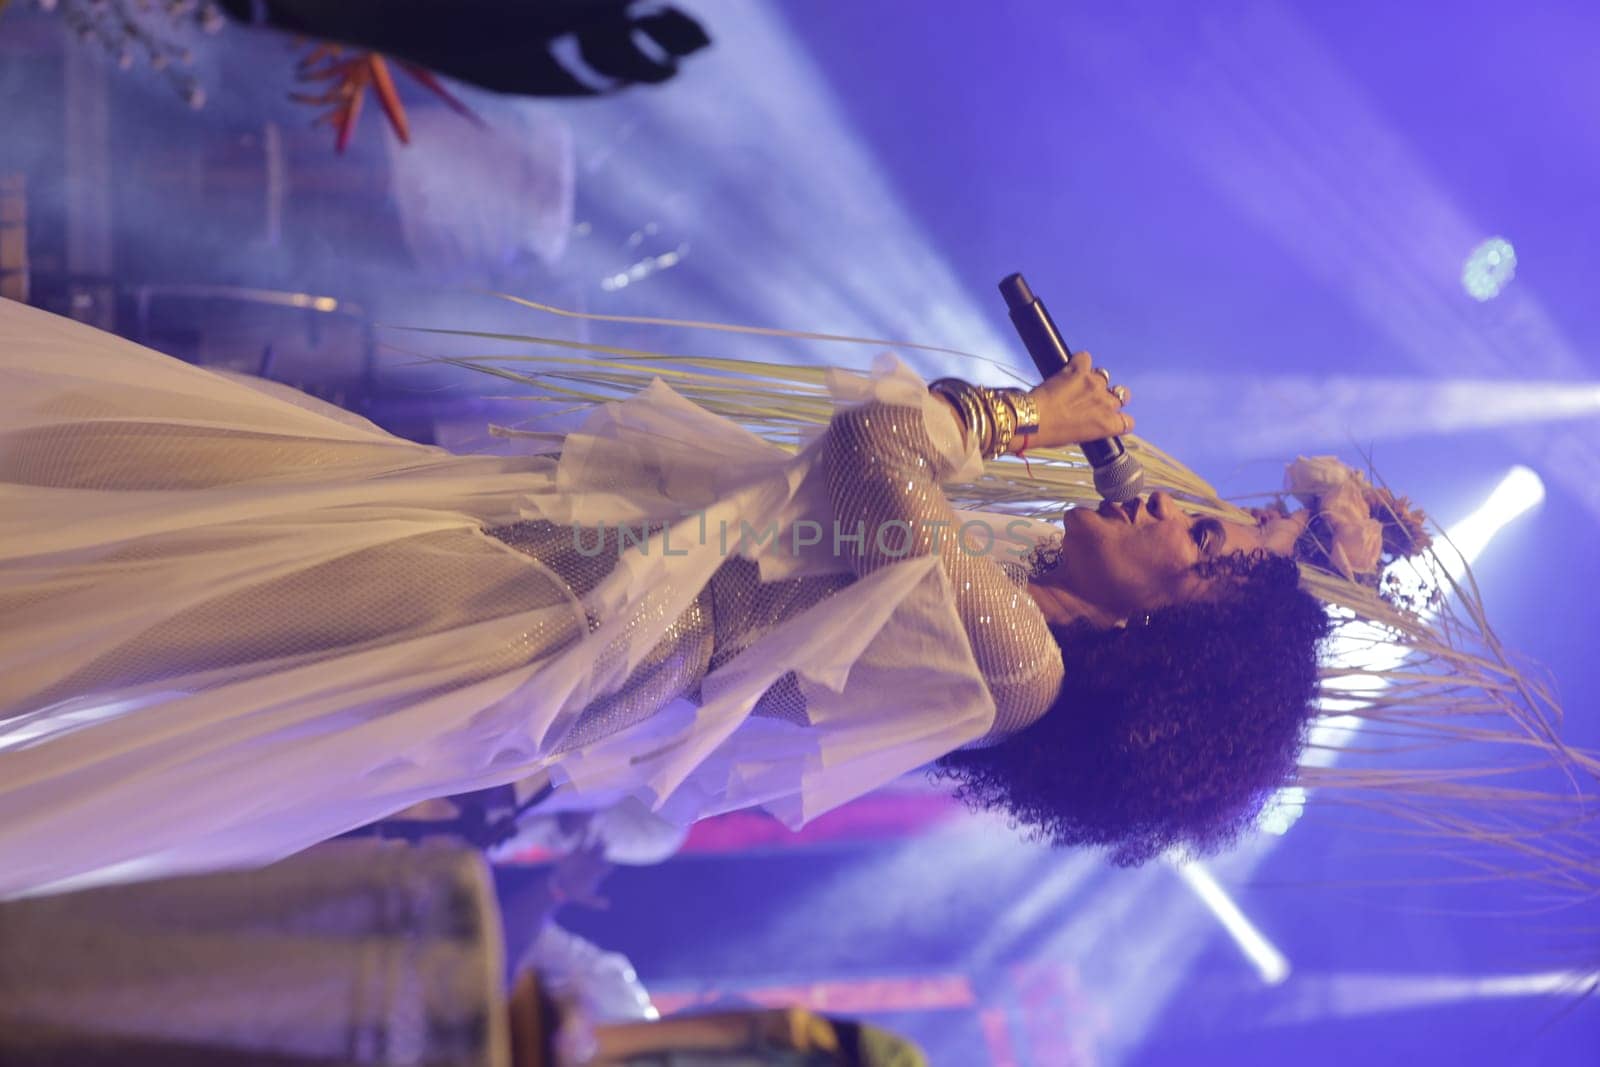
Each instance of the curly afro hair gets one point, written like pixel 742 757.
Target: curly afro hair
pixel 1169 733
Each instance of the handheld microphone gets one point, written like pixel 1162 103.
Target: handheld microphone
pixel 1118 476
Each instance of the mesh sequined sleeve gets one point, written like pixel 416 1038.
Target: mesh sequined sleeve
pixel 884 472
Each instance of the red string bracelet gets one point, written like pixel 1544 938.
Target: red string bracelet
pixel 1022 454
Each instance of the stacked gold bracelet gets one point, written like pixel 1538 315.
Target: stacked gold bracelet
pixel 992 417
pixel 1025 409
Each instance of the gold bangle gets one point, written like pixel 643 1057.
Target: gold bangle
pixel 985 420
pixel 950 389
pixel 992 417
pixel 1025 407
pixel 964 396
pixel 1005 422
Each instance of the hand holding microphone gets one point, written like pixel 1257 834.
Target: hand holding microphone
pixel 1077 403
pixel 1076 406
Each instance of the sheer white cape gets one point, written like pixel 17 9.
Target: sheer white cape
pixel 135 487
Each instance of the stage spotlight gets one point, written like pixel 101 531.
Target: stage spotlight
pixel 1270 964
pixel 1519 491
pixel 1346 995
pixel 1302 412
pixel 777 240
pixel 1489 268
pixel 1464 542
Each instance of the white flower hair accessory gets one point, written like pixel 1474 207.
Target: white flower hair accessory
pixel 1308 477
pixel 1354 527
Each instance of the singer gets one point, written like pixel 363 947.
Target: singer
pixel 237 621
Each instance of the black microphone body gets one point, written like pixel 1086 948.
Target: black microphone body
pixel 1117 475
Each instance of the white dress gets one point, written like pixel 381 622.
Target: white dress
pixel 235 621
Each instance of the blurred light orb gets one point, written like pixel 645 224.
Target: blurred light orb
pixel 1487 270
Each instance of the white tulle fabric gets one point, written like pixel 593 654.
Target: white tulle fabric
pixel 376 648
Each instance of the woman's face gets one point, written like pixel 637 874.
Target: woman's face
pixel 1128 559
